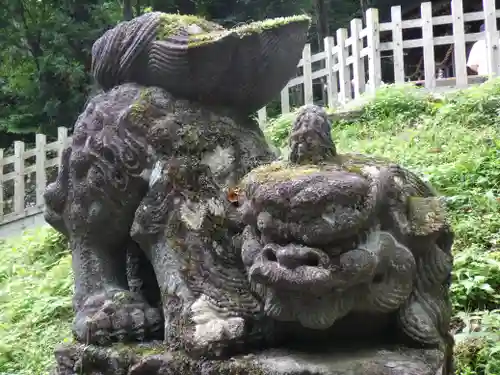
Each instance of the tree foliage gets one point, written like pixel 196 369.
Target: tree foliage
pixel 45 59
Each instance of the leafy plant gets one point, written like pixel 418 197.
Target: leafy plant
pixel 36 289
pixel 478 345
pixel 402 103
pixel 278 129
pixel 477 281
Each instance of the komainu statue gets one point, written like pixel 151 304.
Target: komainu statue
pixel 196 250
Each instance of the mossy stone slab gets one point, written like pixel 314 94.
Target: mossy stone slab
pixel 148 359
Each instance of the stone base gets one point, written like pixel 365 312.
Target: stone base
pixel 150 359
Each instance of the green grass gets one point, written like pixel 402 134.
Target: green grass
pixel 452 141
pixel 36 287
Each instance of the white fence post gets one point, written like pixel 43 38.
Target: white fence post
pixel 19 210
pixel 331 82
pixel 397 43
pixel 344 76
pixel 428 40
pixel 19 189
pixel 40 172
pixel 457 12
pixel 358 63
pixel 373 35
pixel 285 100
pixel 490 26
pixel 308 82
pixel 262 116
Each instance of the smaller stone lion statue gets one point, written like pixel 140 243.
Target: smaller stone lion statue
pixel 332 236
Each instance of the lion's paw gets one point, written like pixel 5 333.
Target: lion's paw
pixel 116 315
pixel 212 332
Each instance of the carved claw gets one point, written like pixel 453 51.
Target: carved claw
pixel 211 334
pixel 116 316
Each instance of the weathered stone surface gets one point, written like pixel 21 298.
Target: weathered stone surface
pixel 141 160
pixel 243 68
pixel 150 360
pixel 183 227
pixel 330 234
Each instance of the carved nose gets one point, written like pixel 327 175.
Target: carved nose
pixel 293 256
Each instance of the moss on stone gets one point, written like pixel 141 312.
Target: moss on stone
pixel 354 169
pixel 427 215
pixel 357 161
pixel 244 367
pixel 269 24
pixel 284 171
pixel 206 38
pixel 191 139
pixel 139 349
pixel 184 365
pixel 245 30
pixel 279 172
pixel 170 24
pixel 139 108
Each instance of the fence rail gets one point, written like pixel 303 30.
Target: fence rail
pixel 350 63
pixel 348 66
pixel 21 195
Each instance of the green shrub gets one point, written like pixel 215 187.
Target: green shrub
pixel 36 288
pixel 475 107
pixel 278 129
pixel 397 105
pixel 477 350
pixel 476 280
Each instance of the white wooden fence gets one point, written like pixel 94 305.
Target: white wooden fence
pixel 23 178
pixel 343 65
pixel 350 63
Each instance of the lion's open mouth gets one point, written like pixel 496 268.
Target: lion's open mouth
pixel 370 272
pixel 272 273
pixel 297 267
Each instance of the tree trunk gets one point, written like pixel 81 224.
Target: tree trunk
pixel 322 18
pixel 127 10
pixel 137 8
pixel 363 5
pixel 186 6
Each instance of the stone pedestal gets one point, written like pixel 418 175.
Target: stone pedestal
pixel 150 359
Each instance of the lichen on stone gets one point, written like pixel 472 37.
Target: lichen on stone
pixel 245 30
pixel 355 162
pixel 260 26
pixel 170 24
pixel 427 215
pixel 139 349
pixel 279 172
pixel 138 110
